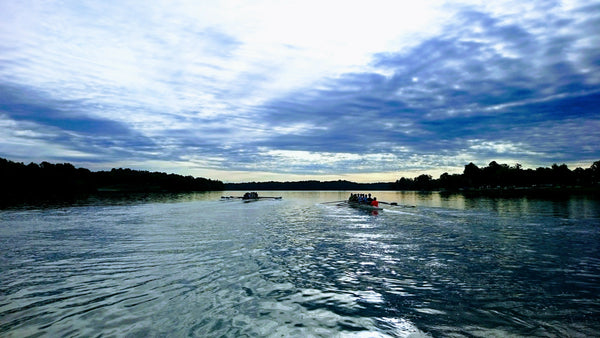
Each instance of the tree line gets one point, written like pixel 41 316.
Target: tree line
pixel 503 176
pixel 63 179
pixel 491 178
pixel 308 185
pixel 47 180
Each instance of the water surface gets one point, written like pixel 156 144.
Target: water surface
pixel 193 265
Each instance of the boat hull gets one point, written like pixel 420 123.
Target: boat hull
pixel 363 206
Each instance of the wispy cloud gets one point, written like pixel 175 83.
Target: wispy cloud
pixel 229 88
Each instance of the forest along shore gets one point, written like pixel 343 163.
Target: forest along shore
pixel 45 181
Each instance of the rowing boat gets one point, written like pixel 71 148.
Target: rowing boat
pixel 363 206
pixel 250 199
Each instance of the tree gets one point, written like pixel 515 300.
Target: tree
pixel 472 175
pixel 451 182
pixel 595 172
pixel 423 182
pixel 561 174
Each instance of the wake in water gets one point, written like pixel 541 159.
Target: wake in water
pixel 201 267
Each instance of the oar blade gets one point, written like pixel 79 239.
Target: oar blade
pixel 333 202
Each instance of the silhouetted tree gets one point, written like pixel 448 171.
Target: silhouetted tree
pixel 452 182
pixel 48 180
pixel 595 172
pixel 472 175
pixel 424 182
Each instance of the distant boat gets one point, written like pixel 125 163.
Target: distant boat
pixel 250 197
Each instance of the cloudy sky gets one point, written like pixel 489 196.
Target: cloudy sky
pixel 289 90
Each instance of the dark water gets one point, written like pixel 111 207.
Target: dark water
pixel 192 265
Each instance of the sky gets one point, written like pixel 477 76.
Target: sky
pixel 242 91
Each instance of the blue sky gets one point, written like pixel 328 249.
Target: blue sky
pixel 274 90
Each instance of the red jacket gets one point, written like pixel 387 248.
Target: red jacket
pixel 375 203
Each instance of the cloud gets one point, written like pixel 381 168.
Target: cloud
pixel 484 80
pixel 364 89
pixel 62 129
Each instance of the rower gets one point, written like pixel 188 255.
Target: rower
pixel 374 202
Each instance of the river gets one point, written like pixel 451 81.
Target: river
pixel 194 265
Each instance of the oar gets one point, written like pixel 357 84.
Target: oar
pixel 398 205
pixel 334 202
pixel 274 197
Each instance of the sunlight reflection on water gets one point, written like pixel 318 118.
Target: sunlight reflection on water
pixel 204 267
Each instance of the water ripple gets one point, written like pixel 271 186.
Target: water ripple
pixel 201 267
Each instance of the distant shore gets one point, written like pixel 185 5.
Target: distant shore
pixel 63 182
pixel 526 192
pixel 352 186
pixel 47 182
pixel 309 185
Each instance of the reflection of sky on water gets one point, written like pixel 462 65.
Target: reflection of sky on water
pixel 297 267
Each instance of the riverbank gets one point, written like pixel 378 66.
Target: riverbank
pixel 538 192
